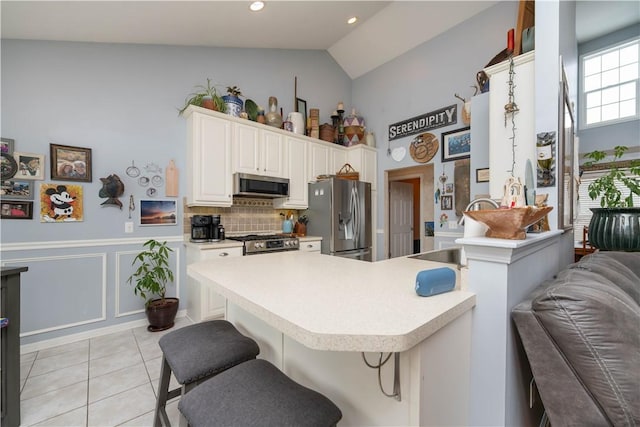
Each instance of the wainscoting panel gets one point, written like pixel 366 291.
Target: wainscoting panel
pixel 66 291
pixel 126 302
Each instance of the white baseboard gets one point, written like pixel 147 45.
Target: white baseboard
pixel 67 339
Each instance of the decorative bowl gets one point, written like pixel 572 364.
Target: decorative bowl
pixel 509 223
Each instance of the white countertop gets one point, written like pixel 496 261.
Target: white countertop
pixel 333 303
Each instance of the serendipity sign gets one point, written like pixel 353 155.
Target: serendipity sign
pixel 433 120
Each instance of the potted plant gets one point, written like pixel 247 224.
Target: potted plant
pixel 616 224
pixel 151 278
pixel 205 96
pixel 232 101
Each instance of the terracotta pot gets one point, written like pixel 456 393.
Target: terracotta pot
pixel 161 314
pixel 207 102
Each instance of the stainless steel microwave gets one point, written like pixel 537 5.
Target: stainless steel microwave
pixel 245 184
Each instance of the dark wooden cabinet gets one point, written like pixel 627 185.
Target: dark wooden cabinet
pixel 10 336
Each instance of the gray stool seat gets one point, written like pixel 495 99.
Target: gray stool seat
pixel 256 393
pixel 197 352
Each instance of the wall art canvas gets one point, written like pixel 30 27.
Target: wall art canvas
pixel 6 145
pixel 158 212
pixel 546 159
pixel 61 203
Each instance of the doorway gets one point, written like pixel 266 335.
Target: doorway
pixel 418 184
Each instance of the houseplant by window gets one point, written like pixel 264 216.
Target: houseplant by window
pixel 205 96
pixel 616 224
pixel 151 278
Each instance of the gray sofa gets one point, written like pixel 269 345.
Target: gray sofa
pixel 581 335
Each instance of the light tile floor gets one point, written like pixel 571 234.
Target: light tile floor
pixel 109 380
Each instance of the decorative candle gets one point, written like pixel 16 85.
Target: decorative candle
pixel 510 40
pixel 340 106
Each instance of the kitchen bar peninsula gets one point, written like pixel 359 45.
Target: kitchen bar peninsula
pixel 314 316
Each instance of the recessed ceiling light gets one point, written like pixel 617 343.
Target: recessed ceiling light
pixel 352 20
pixel 256 6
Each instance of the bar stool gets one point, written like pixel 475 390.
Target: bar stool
pixel 195 353
pixel 256 393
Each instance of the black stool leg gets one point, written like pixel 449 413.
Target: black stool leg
pixel 163 393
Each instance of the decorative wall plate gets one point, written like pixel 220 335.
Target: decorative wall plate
pixel 9 166
pixel 398 153
pixel 424 147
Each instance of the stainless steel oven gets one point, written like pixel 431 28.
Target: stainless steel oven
pixel 262 244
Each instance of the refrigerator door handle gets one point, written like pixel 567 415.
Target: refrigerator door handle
pixel 356 214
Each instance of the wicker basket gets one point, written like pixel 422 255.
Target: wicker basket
pixel 348 172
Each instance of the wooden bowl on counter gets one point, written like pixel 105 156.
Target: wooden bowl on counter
pixel 509 223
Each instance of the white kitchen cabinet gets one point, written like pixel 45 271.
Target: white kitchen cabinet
pixel 296 166
pixel 338 159
pixel 364 159
pixel 209 178
pixel 258 151
pixel 318 160
pixel 202 302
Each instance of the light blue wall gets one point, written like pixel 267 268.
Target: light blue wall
pixel 625 133
pixel 121 101
pixel 426 79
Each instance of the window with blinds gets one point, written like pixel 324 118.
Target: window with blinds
pixel 585 203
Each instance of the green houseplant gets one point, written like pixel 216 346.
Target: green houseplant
pixel 151 278
pixel 205 96
pixel 616 224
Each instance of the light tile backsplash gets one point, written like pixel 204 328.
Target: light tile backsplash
pixel 245 216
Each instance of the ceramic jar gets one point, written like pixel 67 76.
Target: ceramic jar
pixel 273 117
pixel 297 122
pixel 234 105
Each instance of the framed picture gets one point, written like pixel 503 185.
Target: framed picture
pixel 16 209
pixel 456 144
pixel 301 107
pixel 70 163
pixel 61 203
pixel 158 212
pixel 15 189
pixel 449 188
pixel 6 145
pixel 446 203
pixel 482 175
pixel 30 166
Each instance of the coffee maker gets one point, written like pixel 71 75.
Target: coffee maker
pixel 201 228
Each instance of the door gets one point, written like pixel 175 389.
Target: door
pixel 400 219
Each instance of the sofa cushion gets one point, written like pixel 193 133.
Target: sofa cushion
pixel 609 265
pixel 594 324
pixel 631 260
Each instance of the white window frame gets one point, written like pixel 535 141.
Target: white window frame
pixel 582 94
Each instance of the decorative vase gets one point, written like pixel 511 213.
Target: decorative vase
pixel 615 229
pixel 234 105
pixel 273 118
pixel 260 118
pixel 371 139
pixel 353 129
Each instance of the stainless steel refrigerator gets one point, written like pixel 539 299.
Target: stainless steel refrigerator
pixel 340 212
